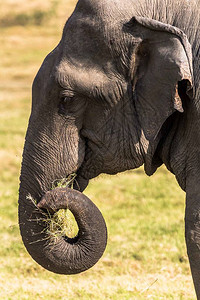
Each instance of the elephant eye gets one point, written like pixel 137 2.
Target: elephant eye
pixel 143 49
pixel 63 104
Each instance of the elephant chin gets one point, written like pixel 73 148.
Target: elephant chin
pixel 63 255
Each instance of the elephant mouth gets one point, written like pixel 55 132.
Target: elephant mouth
pixel 74 181
pixel 80 183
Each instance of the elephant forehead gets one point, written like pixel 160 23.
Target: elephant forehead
pixel 105 8
pixel 94 31
pixel 84 40
pixel 90 82
pixel 79 77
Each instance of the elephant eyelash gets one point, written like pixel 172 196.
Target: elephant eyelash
pixel 65 99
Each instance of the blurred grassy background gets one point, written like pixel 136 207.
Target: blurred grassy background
pixel 146 255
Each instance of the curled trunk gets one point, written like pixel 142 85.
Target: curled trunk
pixel 63 255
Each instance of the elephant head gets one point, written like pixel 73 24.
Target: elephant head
pixel 110 97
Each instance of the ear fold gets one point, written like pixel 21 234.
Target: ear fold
pixel 162 59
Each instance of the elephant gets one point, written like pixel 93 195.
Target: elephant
pixel 120 90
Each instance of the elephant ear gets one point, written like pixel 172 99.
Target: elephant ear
pixel 161 60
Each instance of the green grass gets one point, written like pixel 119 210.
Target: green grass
pixel 146 255
pixel 62 223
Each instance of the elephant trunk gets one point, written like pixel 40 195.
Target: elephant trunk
pixel 63 255
pixel 46 159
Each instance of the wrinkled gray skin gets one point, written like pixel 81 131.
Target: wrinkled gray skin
pixel 120 90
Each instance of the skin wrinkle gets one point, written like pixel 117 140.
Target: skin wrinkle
pixel 67 146
pixel 121 138
pixel 91 83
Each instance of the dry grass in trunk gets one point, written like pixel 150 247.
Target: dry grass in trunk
pixel 62 223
